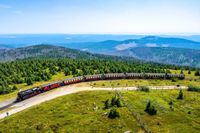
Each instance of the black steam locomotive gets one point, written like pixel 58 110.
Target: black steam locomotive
pixel 110 76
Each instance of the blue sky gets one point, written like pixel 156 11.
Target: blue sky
pixel 100 16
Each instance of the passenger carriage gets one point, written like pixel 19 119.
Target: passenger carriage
pixel 114 76
pixel 73 80
pixel 134 75
pixel 93 77
pixel 51 86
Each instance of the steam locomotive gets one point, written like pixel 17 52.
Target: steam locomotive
pixel 22 95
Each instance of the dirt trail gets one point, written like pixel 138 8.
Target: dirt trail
pixel 17 107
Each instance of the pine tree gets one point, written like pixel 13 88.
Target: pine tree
pixel 113 113
pixel 150 109
pixel 119 103
pixel 67 71
pixel 197 73
pixel 14 87
pixel 189 72
pixel 171 103
pixel 107 104
pixel 29 81
pixel 113 101
pixel 181 72
pixel 180 95
pixel 148 106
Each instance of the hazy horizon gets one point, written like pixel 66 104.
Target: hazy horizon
pixel 114 34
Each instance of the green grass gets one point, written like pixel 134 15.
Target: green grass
pixel 168 120
pixel 75 113
pixel 72 113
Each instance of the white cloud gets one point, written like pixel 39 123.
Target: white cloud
pixel 125 46
pixel 151 45
pixel 85 49
pixel 3 6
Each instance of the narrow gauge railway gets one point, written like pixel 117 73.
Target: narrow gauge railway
pixel 22 95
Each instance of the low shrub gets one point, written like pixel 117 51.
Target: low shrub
pixel 113 113
pixel 194 88
pixel 143 88
pixel 171 102
pixel 174 80
pixel 115 101
pixel 180 95
pixel 107 104
pixel 150 109
pixel 197 73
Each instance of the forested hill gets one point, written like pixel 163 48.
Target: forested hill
pixel 34 70
pixel 50 51
pixel 168 55
pixel 46 51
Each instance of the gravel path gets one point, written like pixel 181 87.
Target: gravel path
pixel 17 107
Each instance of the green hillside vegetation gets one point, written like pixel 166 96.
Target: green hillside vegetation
pixel 33 70
pixel 166 55
pixel 84 112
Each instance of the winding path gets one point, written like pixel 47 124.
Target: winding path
pixel 17 107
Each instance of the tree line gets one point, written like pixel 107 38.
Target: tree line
pixel 32 70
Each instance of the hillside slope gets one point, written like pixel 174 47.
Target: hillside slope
pixel 177 56
pixel 46 51
pixel 49 51
pixel 84 112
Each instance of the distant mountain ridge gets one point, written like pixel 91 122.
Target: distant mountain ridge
pixel 52 51
pixel 46 51
pixel 168 42
pixel 20 40
pixel 167 55
pixel 149 41
pixel 84 43
pixel 151 48
pixel 176 51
